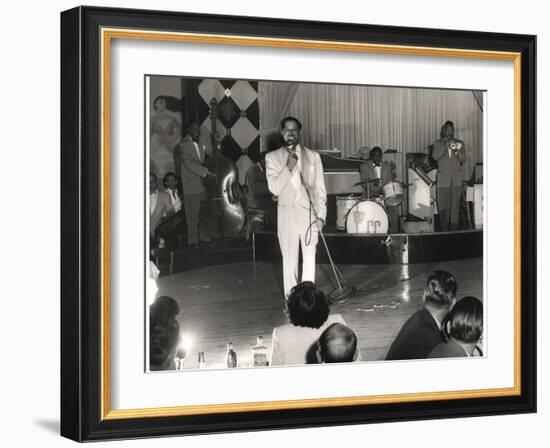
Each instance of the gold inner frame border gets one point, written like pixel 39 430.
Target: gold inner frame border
pixel 107 35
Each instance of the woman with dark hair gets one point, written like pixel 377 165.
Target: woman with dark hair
pixel 463 327
pixel 164 333
pixel 165 133
pixel 309 315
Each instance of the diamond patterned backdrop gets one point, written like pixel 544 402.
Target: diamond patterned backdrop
pixel 238 115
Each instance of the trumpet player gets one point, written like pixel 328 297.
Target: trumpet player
pixel 450 155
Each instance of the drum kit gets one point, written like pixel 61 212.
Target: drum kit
pixel 357 214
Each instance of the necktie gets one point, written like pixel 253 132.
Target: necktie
pixel 296 181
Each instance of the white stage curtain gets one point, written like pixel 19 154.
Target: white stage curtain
pixel 274 99
pixel 350 117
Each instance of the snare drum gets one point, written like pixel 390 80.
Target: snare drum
pixel 343 205
pixel 367 217
pixel 392 192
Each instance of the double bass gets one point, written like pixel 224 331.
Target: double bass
pixel 225 195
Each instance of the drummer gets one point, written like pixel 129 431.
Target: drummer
pixel 374 174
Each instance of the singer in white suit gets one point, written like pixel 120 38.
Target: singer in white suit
pixel 295 175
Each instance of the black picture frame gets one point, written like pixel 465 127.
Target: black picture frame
pixel 81 224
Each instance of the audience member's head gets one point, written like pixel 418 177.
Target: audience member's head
pixel 440 290
pixel 464 323
pixel 337 343
pixel 164 332
pixel 307 306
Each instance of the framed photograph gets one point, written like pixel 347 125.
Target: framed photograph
pixel 276 224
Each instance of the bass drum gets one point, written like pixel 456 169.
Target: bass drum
pixel 367 217
pixel 343 206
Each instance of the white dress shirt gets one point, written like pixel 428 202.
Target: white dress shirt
pixel 197 149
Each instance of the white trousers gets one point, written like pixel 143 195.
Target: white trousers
pixel 292 229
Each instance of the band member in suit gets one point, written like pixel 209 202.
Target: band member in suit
pixel 450 154
pixel 193 172
pixel 173 230
pixel 171 185
pixel 376 173
pixel 159 204
pixel 295 175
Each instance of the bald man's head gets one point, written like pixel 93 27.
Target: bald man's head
pixel 338 343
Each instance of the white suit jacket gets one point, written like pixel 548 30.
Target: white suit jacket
pixel 279 180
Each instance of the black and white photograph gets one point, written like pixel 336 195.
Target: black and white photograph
pixel 297 221
pixel 293 223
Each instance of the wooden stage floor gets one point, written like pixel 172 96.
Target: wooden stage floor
pixel 237 302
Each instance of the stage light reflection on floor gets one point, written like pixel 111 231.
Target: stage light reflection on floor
pixel 405 297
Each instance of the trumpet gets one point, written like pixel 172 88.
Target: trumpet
pixel 455 145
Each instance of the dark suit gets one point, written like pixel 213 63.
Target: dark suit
pixel 451 349
pixel 449 182
pixel 192 174
pixel 417 337
pixel 174 228
pixel 192 168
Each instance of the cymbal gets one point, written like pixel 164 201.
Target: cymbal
pixel 363 182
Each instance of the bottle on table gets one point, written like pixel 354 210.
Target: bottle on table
pixel 259 353
pixel 202 363
pixel 180 357
pixel 231 356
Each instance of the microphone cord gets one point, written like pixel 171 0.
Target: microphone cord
pixel 309 232
pixel 307 238
pixel 311 208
